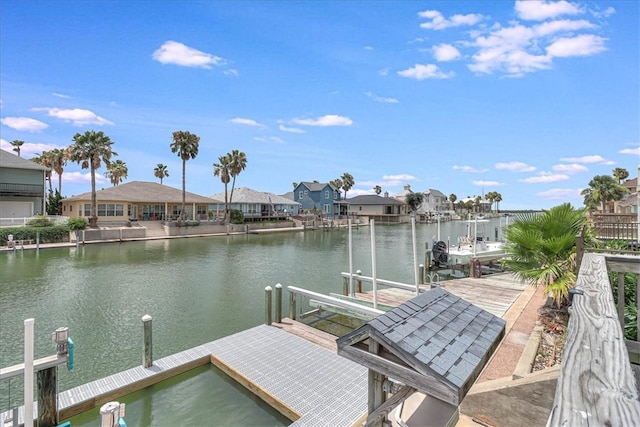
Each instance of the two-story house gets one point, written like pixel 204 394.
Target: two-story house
pixel 320 198
pixel 22 187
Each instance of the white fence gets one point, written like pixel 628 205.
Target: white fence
pixel 22 222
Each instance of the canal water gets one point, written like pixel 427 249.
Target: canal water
pixel 196 290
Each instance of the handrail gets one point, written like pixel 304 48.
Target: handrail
pixel 335 301
pixel 384 282
pixel 596 384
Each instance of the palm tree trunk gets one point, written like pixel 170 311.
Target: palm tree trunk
pixel 182 212
pixel 93 219
pixel 60 184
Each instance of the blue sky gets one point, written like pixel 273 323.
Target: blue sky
pixel 529 99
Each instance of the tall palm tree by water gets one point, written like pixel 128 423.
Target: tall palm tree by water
pixel 238 161
pixel 90 150
pixel 621 174
pixel 16 146
pixel 58 160
pixel 185 144
pixel 602 189
pixel 44 159
pixel 223 170
pixel 117 171
pixel 347 182
pixel 161 172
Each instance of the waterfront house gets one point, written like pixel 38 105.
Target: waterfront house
pixel 320 198
pixel 629 203
pixel 138 201
pixel 434 202
pixel 258 205
pixel 22 187
pixel 385 209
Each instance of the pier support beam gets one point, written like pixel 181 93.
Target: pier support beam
pixel 278 303
pixel 267 305
pixel 147 343
pixel 47 381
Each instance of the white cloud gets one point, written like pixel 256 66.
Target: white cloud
pixel 284 128
pixel 436 21
pixel 328 120
pixel 269 139
pixel 60 95
pixel 28 149
pixel 425 71
pixel 368 48
pixel 582 45
pixel 487 183
pixel 515 167
pixel 588 159
pixel 469 169
pixel 632 151
pixel 77 116
pixel 400 177
pixel 245 122
pixel 545 178
pixel 560 194
pixel 446 52
pixel 83 177
pixel 377 98
pixel 24 124
pixel 172 52
pixel 533 10
pixel 230 72
pixel 570 168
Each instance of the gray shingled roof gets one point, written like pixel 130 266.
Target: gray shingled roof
pixel 374 199
pixel 316 186
pixel 140 191
pixel 9 160
pixel 438 335
pixel 436 193
pixel 247 195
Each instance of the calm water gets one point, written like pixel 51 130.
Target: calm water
pixel 196 290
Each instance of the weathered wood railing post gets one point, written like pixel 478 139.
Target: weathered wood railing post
pixel 359 282
pixel 421 274
pixel 278 303
pixel 345 286
pixel 267 305
pixel 292 305
pixel 147 347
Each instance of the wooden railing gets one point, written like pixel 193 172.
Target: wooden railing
pixel 596 384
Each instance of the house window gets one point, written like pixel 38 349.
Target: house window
pixel 201 209
pixel 300 194
pixel 327 208
pixel 110 209
pixel 359 208
pixel 326 194
pixel 87 210
pixel 335 195
pixel 70 208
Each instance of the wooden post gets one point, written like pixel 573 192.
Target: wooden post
pixel 47 380
pixel 359 282
pixel 147 353
pixel 345 286
pixel 421 274
pixel 375 385
pixel 292 306
pixel 278 303
pixel 267 305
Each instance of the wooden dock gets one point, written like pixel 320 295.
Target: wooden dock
pixel 293 367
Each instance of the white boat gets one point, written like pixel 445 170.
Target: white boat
pixel 475 244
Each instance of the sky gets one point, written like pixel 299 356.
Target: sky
pixel 528 99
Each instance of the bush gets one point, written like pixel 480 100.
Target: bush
pixel 77 223
pixel 53 234
pixel 236 217
pixel 39 221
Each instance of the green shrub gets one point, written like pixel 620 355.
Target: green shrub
pixel 53 234
pixel 77 223
pixel 39 221
pixel 236 217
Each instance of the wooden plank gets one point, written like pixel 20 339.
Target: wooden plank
pixel 427 384
pixel 263 394
pixel 38 365
pixel 388 406
pixel 309 333
pixel 596 384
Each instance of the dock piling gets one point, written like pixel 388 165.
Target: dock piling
pixel 421 274
pixel 359 282
pixel 278 303
pixel 292 306
pixel 267 305
pixel 147 347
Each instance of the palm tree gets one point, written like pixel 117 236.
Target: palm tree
pixel 161 172
pixel 621 174
pixel 497 198
pixel 337 183
pixel 222 169
pixel 452 200
pixel 90 150
pixel 58 160
pixel 238 161
pixel 541 248
pixel 116 172
pixel 377 189
pixel 602 189
pixel 44 160
pixel 347 182
pixel 185 144
pixel 490 196
pixel 414 200
pixel 16 146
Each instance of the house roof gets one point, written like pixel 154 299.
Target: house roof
pixel 10 160
pixel 631 184
pixel 436 193
pixel 317 186
pixel 374 200
pixel 140 191
pixel 247 195
pixel 406 189
pixel 438 335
